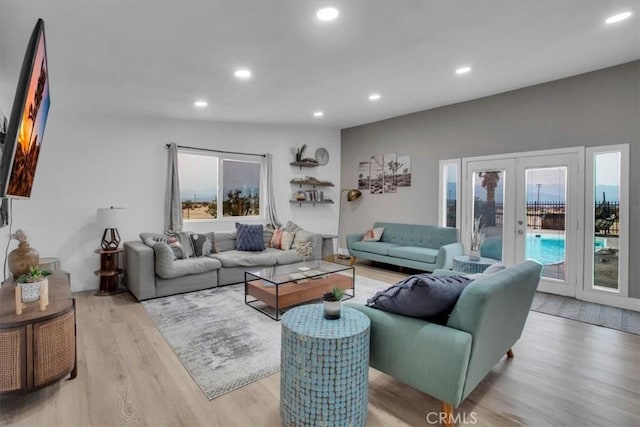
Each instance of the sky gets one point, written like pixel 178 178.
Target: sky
pixel 607 168
pixel 199 176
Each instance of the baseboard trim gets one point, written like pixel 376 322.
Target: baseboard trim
pixel 627 303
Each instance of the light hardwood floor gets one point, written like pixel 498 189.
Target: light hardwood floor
pixel 564 373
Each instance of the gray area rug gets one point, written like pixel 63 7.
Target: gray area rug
pixel 587 312
pixel 223 343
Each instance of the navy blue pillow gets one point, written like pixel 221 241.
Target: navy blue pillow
pixel 423 296
pixel 250 237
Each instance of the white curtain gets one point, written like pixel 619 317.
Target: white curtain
pixel 272 216
pixel 172 203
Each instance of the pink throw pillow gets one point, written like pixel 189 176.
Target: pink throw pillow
pixel 373 235
pixel 276 240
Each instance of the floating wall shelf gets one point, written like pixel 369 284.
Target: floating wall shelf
pixel 312 202
pixel 312 183
pixel 305 164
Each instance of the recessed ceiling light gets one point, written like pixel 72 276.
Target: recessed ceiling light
pixel 374 97
pixel 463 70
pixel 327 14
pixel 318 114
pixel 618 17
pixel 242 73
pixel 201 104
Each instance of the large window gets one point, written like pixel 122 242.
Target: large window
pixel 606 240
pixel 449 208
pixel 207 178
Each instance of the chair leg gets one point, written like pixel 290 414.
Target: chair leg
pixel 352 260
pixel 447 410
pixel 509 354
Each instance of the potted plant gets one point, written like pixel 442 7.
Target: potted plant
pixel 476 238
pixel 332 303
pixel 31 282
pixel 299 152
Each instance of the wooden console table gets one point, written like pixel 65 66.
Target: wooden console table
pixel 37 348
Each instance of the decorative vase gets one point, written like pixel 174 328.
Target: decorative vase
pixel 474 255
pixel 31 291
pixel 332 309
pixel 21 258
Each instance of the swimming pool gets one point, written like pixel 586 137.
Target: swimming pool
pixel 549 248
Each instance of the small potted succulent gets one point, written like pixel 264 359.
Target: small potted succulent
pixel 332 303
pixel 30 283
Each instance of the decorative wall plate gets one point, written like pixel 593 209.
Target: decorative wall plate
pixel 322 156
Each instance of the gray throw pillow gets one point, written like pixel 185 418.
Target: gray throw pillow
pixel 250 237
pixel 291 226
pixel 423 296
pixel 184 237
pixel 301 236
pixel 203 244
pixel 150 239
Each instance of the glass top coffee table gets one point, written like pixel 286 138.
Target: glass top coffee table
pixel 272 289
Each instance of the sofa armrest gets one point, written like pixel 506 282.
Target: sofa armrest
pixel 446 254
pixel 353 238
pixel 140 268
pixel 429 357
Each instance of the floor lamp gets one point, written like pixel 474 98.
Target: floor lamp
pixel 352 194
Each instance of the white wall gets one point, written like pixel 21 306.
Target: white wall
pixel 89 162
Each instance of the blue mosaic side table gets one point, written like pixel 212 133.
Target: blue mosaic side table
pixel 464 265
pixel 324 368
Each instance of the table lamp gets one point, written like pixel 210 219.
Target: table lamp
pixel 109 219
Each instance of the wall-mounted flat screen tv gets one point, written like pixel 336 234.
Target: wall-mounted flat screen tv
pixel 27 122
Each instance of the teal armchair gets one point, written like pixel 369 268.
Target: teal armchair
pixel 449 361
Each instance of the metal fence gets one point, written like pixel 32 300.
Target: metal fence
pixel 543 215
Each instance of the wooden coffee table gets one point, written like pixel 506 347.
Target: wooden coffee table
pixel 283 286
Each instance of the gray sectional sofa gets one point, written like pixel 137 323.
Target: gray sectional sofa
pixel 152 271
pixel 423 247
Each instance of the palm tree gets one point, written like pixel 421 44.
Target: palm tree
pixel 490 183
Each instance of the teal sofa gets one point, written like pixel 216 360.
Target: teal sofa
pixel 449 361
pixel 423 247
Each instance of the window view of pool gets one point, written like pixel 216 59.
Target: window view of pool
pixel 550 248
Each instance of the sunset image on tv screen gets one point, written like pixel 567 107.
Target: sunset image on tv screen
pixel 31 127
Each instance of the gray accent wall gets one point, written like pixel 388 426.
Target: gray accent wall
pixel 592 109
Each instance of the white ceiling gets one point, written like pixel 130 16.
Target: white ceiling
pixel 155 58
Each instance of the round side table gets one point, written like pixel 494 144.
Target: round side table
pixel 324 372
pixel 464 265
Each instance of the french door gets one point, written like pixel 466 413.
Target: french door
pixel 529 206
